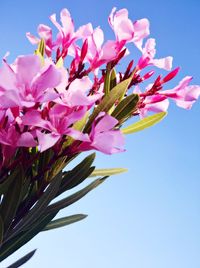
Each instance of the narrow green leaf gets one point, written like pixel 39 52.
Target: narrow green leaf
pixel 40 206
pixel 22 260
pixel 60 63
pixel 57 167
pixel 40 51
pixel 11 199
pixel 41 47
pixel 64 221
pixel 144 123
pixel 107 79
pixel 6 183
pixel 74 197
pixel 108 172
pixel 23 237
pixel 44 159
pixel 74 181
pixel 1 230
pixel 113 79
pixel 77 174
pixel 125 108
pixel 115 94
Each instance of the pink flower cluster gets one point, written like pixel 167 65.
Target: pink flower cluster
pixel 41 100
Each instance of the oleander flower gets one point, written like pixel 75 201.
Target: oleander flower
pixel 103 136
pixel 27 82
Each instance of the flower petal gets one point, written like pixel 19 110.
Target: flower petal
pixel 49 78
pixel 26 68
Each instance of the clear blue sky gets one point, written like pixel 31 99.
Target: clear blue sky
pixel 149 217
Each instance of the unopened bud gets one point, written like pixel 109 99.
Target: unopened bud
pixel 84 50
pixel 148 75
pixel 171 75
pixel 143 62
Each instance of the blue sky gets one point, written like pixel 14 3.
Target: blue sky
pixel 148 217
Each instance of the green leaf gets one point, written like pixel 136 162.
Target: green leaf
pixel 115 94
pixel 60 63
pixel 1 230
pixel 107 79
pixel 74 181
pixel 41 48
pixel 57 167
pixel 43 161
pixel 23 237
pixel 64 221
pixel 126 107
pixel 108 172
pixel 22 260
pixel 78 174
pixel 74 197
pixel 40 206
pixel 11 198
pixel 6 183
pixel 40 51
pixel 144 123
pixel 113 79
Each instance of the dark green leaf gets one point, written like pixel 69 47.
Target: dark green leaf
pixel 11 199
pixel 113 79
pixel 44 159
pixel 1 230
pixel 77 174
pixel 73 181
pixel 40 206
pixel 64 221
pixel 6 183
pixel 108 101
pixel 126 107
pixel 74 197
pixel 107 79
pixel 23 237
pixel 22 260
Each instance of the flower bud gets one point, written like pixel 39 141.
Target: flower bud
pixel 171 75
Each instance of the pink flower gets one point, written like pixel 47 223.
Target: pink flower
pixel 77 93
pixel 44 32
pixel 66 35
pixel 64 38
pixel 121 24
pixel 183 94
pixel 55 125
pixel 12 136
pixel 127 31
pixel 103 136
pixel 149 52
pixel 97 52
pixel 154 103
pixel 27 82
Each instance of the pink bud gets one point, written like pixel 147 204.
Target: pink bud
pixel 127 72
pixel 143 62
pixel 148 75
pixel 58 54
pixel 157 81
pixel 171 75
pixel 120 56
pixel 84 50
